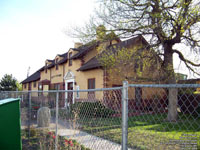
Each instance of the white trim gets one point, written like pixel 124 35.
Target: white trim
pixel 69 80
pixel 69 77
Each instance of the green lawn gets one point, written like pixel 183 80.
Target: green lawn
pixel 146 131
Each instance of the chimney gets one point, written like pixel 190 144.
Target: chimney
pixel 100 33
pixel 77 44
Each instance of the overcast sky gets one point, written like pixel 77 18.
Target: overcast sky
pixel 32 31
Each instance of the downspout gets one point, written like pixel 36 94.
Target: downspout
pixel 50 75
pixel 63 76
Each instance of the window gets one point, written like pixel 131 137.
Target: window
pixel 70 60
pixel 57 86
pixel 141 66
pixel 46 68
pixel 25 86
pixel 136 66
pixel 57 64
pixel 40 87
pixel 91 85
pixel 35 84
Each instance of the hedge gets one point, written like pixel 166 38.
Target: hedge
pixel 91 109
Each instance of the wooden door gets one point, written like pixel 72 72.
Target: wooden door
pixel 29 86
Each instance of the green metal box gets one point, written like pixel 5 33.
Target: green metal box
pixel 10 125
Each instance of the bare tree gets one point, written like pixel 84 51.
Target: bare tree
pixel 164 23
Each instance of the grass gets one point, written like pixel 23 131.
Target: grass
pixel 146 131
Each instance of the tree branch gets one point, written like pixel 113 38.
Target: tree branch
pixel 187 62
pixel 184 59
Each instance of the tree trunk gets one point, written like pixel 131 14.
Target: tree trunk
pixel 172 105
pixel 170 79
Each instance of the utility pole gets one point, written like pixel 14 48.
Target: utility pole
pixel 28 71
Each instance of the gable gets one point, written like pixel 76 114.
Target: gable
pixel 69 75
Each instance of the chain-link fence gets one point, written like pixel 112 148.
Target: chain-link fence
pixel 128 117
pixel 149 115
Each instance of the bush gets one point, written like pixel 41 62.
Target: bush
pixel 91 109
pixel 186 91
pixel 197 92
pixel 189 104
pixel 62 113
pixel 32 132
pixel 196 112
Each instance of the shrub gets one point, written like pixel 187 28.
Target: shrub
pixel 91 109
pixel 189 104
pixel 196 112
pixel 186 91
pixel 45 140
pixel 32 132
pixel 63 113
pixel 197 92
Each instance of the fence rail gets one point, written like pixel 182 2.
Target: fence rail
pixel 134 116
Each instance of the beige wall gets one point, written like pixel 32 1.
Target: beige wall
pixel 82 81
pixel 148 93
pixel 34 88
pixel 81 77
pixel 44 75
pixel 35 94
pixel 118 76
pixel 23 85
pixel 57 75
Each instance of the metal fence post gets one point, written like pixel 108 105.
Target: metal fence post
pixel 56 139
pixel 29 114
pixel 124 115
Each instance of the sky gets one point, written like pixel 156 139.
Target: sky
pixel 32 31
